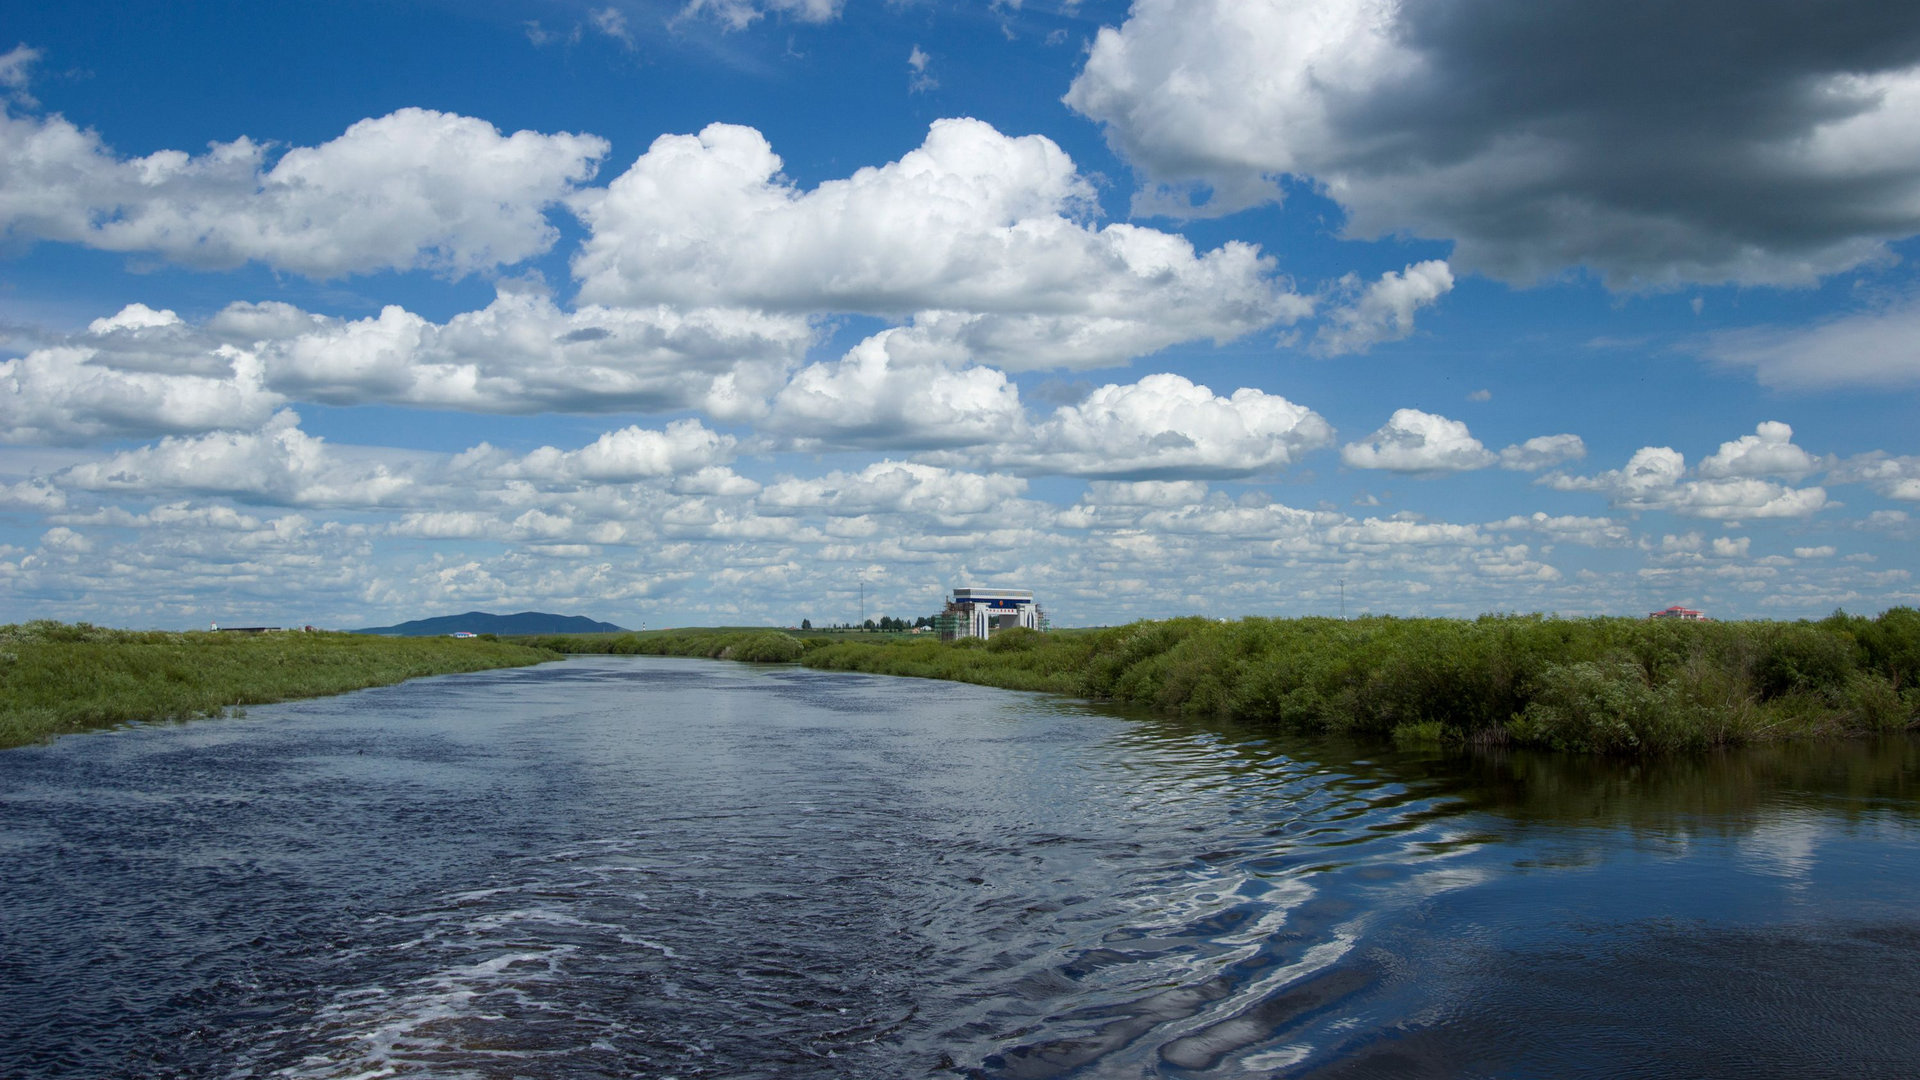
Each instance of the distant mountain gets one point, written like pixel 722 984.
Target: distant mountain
pixel 481 622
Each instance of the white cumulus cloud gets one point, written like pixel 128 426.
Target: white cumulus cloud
pixel 623 456
pixel 524 354
pixel 896 487
pixel 1769 451
pixel 277 463
pixel 137 373
pixel 1571 528
pixel 892 390
pixel 740 14
pixel 973 225
pixel 1896 477
pixel 1166 427
pixel 1384 311
pixel 1543 452
pixel 1415 441
pixel 142 372
pixel 413 189
pixel 1657 478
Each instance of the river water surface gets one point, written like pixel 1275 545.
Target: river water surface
pixel 640 867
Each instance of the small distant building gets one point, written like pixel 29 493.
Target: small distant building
pixel 980 613
pixel 1678 612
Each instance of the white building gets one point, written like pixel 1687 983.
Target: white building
pixel 977 612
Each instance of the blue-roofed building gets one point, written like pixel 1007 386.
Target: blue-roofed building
pixel 980 613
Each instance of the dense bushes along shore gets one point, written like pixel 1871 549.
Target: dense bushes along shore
pixel 57 678
pixel 1604 685
pixel 755 646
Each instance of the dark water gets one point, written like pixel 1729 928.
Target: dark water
pixel 628 867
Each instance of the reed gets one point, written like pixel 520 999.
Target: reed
pixel 1599 685
pixel 57 678
pixel 749 645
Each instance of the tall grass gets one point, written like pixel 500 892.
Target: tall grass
pixel 57 678
pixel 1602 685
pixel 754 646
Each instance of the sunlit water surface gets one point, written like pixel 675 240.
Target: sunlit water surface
pixel 635 867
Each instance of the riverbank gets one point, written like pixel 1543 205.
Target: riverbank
pixel 1599 685
pixel 528 861
pixel 57 678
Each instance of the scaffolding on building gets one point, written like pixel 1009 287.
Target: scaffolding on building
pixel 980 613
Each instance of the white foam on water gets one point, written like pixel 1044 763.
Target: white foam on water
pixel 662 949
pixel 494 957
pixel 1280 1057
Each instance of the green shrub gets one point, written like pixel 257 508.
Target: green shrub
pixel 1802 657
pixel 1608 708
pixel 771 647
pixel 1609 685
pixel 1890 644
pixel 1015 639
pixel 1425 733
pixel 1872 703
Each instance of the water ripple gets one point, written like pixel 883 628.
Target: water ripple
pixel 642 868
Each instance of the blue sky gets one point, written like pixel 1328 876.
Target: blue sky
pixel 707 312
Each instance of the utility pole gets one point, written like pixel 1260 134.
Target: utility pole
pixel 863 603
pixel 1343 599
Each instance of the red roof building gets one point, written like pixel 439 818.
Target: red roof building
pixel 1678 612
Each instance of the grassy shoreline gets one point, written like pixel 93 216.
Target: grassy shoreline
pixel 56 678
pixel 1599 685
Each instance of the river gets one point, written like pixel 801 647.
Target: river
pixel 642 867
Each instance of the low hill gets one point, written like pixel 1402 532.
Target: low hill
pixel 482 622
